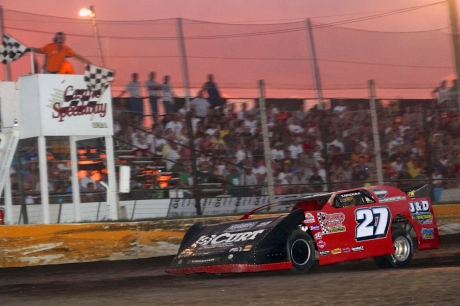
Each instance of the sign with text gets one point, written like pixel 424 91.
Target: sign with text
pixel 62 105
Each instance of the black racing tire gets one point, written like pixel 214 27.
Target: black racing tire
pixel 301 248
pixel 404 250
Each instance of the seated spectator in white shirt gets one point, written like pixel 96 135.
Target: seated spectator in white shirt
pixel 200 105
pixel 295 148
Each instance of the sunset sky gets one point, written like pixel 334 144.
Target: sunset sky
pixel 245 11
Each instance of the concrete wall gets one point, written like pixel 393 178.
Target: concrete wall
pixel 30 245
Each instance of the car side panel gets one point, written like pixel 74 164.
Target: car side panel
pixel 353 233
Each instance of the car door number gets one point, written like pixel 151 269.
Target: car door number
pixel 372 223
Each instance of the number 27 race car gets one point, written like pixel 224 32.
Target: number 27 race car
pixel 381 222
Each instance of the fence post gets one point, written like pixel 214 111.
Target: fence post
pixel 263 120
pixel 375 133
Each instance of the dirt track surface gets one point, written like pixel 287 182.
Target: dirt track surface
pixel 432 278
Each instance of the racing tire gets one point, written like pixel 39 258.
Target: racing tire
pixel 404 250
pixel 301 248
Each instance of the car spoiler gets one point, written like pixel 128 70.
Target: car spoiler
pixel 419 192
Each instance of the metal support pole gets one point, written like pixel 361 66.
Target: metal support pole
pixel 319 96
pixel 7 66
pixel 455 42
pixel 314 64
pixel 96 34
pixel 375 133
pixel 196 187
pixel 8 201
pixel 112 195
pixel 75 182
pixel 266 141
pixel 43 164
pixel 183 57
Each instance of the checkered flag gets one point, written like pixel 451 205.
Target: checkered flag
pixel 11 49
pixel 98 78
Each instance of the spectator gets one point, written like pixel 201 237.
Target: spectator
pixel 153 88
pixel 243 112
pixel 441 94
pixel 213 92
pixel 84 181
pixel 249 180
pixel 316 181
pixel 172 156
pixel 438 183
pixel 140 145
pixel 135 101
pixel 277 154
pixel 175 125
pixel 186 181
pixel 300 182
pixel 200 105
pixel 358 176
pixel 168 96
pixel 295 128
pixel 234 182
pixel 340 108
pixel 404 178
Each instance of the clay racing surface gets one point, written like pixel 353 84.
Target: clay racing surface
pixel 432 278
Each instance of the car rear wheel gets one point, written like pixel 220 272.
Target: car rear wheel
pixel 301 251
pixel 404 250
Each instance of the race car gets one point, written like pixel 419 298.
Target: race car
pixel 382 222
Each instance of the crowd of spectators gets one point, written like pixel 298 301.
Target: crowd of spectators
pixel 311 150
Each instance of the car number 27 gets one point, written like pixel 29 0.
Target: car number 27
pixel 372 223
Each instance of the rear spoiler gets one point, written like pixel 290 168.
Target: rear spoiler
pixel 419 192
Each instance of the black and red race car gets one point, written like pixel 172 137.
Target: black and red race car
pixel 382 222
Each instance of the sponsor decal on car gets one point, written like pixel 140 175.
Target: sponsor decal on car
pixel 419 207
pixel 393 199
pixel 262 224
pixel 309 218
pixel 336 251
pixel 247 248
pixel 240 227
pixel 358 248
pixel 237 249
pixel 324 253
pixel 331 223
pixel 202 261
pixel 423 218
pixel 314 227
pixel 346 250
pixel 227 238
pixel 318 236
pixel 420 211
pixel 321 244
pixel 351 194
pixel 427 233
pixel 425 221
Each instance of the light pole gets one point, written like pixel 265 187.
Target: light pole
pixel 89 11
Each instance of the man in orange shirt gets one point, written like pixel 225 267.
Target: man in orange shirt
pixel 56 52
